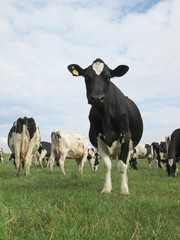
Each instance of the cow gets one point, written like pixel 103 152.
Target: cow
pixel 40 155
pixel 1 155
pixel 69 145
pixel 173 156
pixel 43 152
pixel 115 121
pixel 23 141
pixel 141 151
pixel 159 153
pixel 94 157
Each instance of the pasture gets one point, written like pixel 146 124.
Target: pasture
pixel 52 206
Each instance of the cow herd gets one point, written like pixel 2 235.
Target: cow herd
pixel 160 153
pixel 116 128
pixel 24 142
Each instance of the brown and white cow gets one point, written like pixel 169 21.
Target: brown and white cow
pixel 24 140
pixel 69 145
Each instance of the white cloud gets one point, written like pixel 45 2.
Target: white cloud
pixel 40 38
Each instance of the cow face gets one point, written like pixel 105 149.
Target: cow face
pixel 97 79
pixel 171 167
pixel 133 163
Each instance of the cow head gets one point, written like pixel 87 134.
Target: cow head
pixel 133 163
pixel 97 79
pixel 171 166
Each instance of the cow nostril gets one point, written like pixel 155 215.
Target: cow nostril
pixel 92 98
pixel 96 98
pixel 101 98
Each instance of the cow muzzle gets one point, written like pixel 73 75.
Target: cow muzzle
pixel 96 100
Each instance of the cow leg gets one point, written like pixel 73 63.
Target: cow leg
pixel 162 165
pixel 155 163
pixel 40 162
pixel 177 169
pixel 27 163
pixel 35 161
pixel 107 167
pixel 18 165
pixel 81 165
pixel 61 162
pixel 123 165
pixel 50 162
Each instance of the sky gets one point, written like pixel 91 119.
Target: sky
pixel 40 38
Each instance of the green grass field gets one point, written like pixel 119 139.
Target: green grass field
pixel 52 206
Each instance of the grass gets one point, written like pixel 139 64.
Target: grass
pixel 53 206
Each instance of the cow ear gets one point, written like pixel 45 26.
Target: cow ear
pixel 76 70
pixel 119 71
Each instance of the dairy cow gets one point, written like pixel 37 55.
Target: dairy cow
pixel 69 145
pixel 159 153
pixel 43 152
pixel 115 122
pixel 94 157
pixel 173 156
pixel 141 151
pixel 23 141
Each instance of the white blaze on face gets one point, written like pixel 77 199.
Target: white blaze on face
pixel 170 162
pixel 98 67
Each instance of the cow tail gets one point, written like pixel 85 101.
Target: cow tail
pixel 24 141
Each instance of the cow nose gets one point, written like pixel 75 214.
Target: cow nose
pixel 97 98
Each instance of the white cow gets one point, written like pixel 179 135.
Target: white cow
pixel 69 145
pixel 24 140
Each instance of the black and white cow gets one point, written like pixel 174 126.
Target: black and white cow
pixel 1 155
pixel 173 144
pixel 141 151
pixel 159 153
pixel 23 140
pixel 93 154
pixel 43 152
pixel 115 122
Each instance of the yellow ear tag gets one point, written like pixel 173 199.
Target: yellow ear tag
pixel 75 72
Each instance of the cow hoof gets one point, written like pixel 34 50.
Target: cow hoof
pixel 125 193
pixel 107 191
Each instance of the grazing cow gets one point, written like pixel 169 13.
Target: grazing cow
pixel 1 154
pixel 47 146
pixel 159 153
pixel 69 145
pixel 94 157
pixel 43 152
pixel 141 151
pixel 40 155
pixel 115 122
pixel 23 140
pixel 173 153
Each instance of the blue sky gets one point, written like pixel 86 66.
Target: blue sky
pixel 40 38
